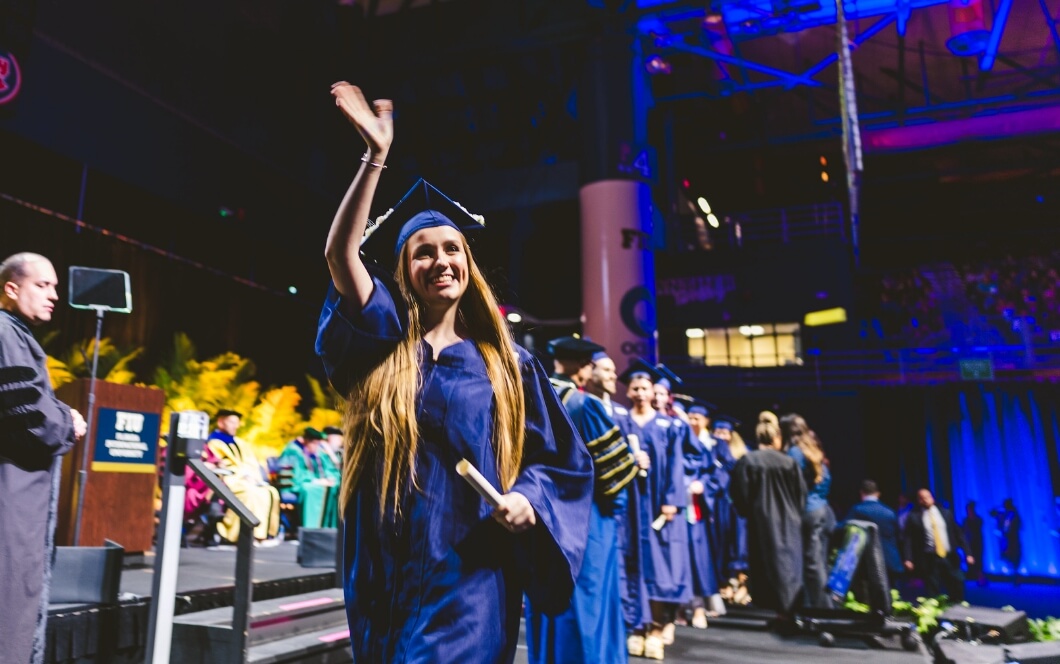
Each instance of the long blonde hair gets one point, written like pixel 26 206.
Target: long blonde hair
pixel 382 432
pixel 799 434
pixel 737 446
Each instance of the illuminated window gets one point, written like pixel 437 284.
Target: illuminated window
pixel 758 345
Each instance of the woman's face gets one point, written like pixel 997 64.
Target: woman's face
pixel 438 266
pixel 640 392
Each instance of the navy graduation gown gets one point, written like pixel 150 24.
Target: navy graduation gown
pixel 445 583
pixel 592 630
pixel 698 463
pixel 632 586
pixel 664 552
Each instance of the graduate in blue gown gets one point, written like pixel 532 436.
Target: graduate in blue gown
pixel 432 572
pixel 699 467
pixel 592 630
pixel 662 532
pixel 632 589
pixel 724 527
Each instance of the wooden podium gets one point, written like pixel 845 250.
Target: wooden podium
pixel 122 468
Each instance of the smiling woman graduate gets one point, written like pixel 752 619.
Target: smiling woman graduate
pixel 432 376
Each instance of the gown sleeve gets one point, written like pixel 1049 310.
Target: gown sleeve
pixel 557 479
pixel 34 425
pixel 352 340
pixel 740 487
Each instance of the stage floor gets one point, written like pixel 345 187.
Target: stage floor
pixel 208 569
pixel 206 577
pixel 723 645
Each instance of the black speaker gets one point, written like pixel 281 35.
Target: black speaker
pixel 979 623
pixel 963 652
pixel 1034 653
pixel 87 574
pixel 317 547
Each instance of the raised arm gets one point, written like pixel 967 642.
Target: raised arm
pixel 375 123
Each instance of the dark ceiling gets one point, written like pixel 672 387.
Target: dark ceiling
pixel 488 96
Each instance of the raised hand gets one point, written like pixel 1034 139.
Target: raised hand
pixel 374 122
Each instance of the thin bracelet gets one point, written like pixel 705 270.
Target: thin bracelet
pixel 364 158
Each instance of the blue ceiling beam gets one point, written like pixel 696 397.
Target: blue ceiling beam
pixel 986 60
pixel 790 80
pixel 858 40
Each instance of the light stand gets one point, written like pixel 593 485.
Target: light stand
pixel 82 475
pixel 98 290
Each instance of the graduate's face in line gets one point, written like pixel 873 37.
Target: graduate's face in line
pixel 698 422
pixel 662 397
pixel 605 376
pixel 640 392
pixel 438 266
pixel 723 434
pixel 34 296
pixel 335 441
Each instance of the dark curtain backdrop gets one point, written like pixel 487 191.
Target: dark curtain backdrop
pixel 991 442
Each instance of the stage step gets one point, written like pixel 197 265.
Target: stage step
pixel 309 628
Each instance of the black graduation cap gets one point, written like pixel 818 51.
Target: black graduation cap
pixel 424 206
pixel 638 368
pixel 574 348
pixel 667 378
pixel 330 431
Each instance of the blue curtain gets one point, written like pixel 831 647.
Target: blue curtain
pixel 988 443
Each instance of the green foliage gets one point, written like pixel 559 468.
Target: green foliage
pixel 272 416
pixel 926 611
pixel 327 405
pixel 853 604
pixel 115 364
pixel 1047 629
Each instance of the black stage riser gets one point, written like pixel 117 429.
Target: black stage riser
pixel 119 633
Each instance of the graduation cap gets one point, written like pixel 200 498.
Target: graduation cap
pixel 694 406
pixel 332 431
pixel 726 422
pixel 638 368
pixel 601 355
pixel 424 206
pixel 574 348
pixel 667 378
pixel 312 434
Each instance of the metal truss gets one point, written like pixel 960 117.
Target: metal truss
pixel 750 19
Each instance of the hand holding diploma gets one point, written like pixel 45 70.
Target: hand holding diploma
pixel 641 457
pixel 511 510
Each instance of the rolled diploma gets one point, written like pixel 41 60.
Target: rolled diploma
pixel 658 523
pixel 634 444
pixel 467 470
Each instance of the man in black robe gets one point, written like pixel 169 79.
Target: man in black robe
pixel 36 429
pixel 767 489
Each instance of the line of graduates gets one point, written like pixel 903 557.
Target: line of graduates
pixel 661 531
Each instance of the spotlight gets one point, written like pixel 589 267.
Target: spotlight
pixel 695 333
pixel 514 317
pixel 713 221
pixel 655 64
pixel 704 205
pixel 292 290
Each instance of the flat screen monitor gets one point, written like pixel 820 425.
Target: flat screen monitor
pixel 98 289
